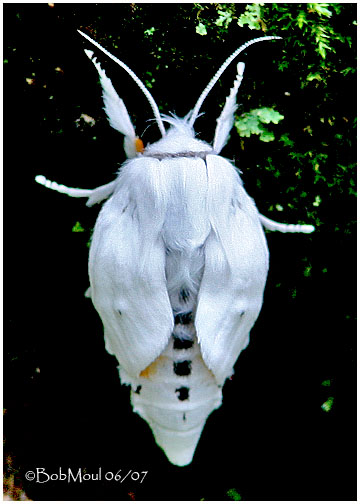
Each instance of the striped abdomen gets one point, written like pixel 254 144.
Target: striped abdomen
pixel 176 394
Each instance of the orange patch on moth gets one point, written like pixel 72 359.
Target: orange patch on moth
pixel 151 370
pixel 139 146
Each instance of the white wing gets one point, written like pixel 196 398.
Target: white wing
pixel 236 264
pixel 127 278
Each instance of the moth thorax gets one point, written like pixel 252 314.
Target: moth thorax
pixel 178 142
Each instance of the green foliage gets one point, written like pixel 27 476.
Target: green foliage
pixel 314 145
pixel 311 87
pixel 201 29
pixel 233 494
pixel 77 228
pixel 224 19
pixel 327 405
pixel 253 123
pixel 149 32
pixel 251 17
pixel 149 80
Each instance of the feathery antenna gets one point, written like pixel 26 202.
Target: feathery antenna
pixel 220 71
pixel 136 79
pixel 226 120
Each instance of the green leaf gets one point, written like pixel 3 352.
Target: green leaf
pixel 251 17
pixel 313 76
pixel 77 228
pixel 317 201
pixel 286 140
pixel 348 70
pixel 233 494
pixel 267 136
pixel 149 32
pixel 251 123
pixel 224 19
pixel 201 29
pixel 269 115
pixel 327 405
pixel 320 8
pixel 301 19
pixel 307 271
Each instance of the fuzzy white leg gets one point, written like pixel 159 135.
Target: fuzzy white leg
pixel 285 228
pixel 94 195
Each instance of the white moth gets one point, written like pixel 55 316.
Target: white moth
pixel 178 264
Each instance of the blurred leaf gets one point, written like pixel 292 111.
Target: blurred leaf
pixel 251 17
pixel 233 494
pixel 77 228
pixel 201 29
pixel 327 405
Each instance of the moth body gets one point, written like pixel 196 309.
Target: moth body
pixel 169 215
pixel 177 265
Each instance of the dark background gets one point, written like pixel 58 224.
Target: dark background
pixel 65 407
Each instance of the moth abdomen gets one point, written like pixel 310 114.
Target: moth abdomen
pixel 183 393
pixel 182 368
pixel 175 395
pixel 182 344
pixel 184 318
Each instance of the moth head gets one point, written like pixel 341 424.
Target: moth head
pixel 180 129
pixel 179 140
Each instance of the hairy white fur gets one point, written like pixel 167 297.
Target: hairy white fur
pixel 177 266
pixel 175 225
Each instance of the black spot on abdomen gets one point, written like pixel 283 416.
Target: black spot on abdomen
pixel 182 368
pixel 182 393
pixel 183 318
pixel 182 344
